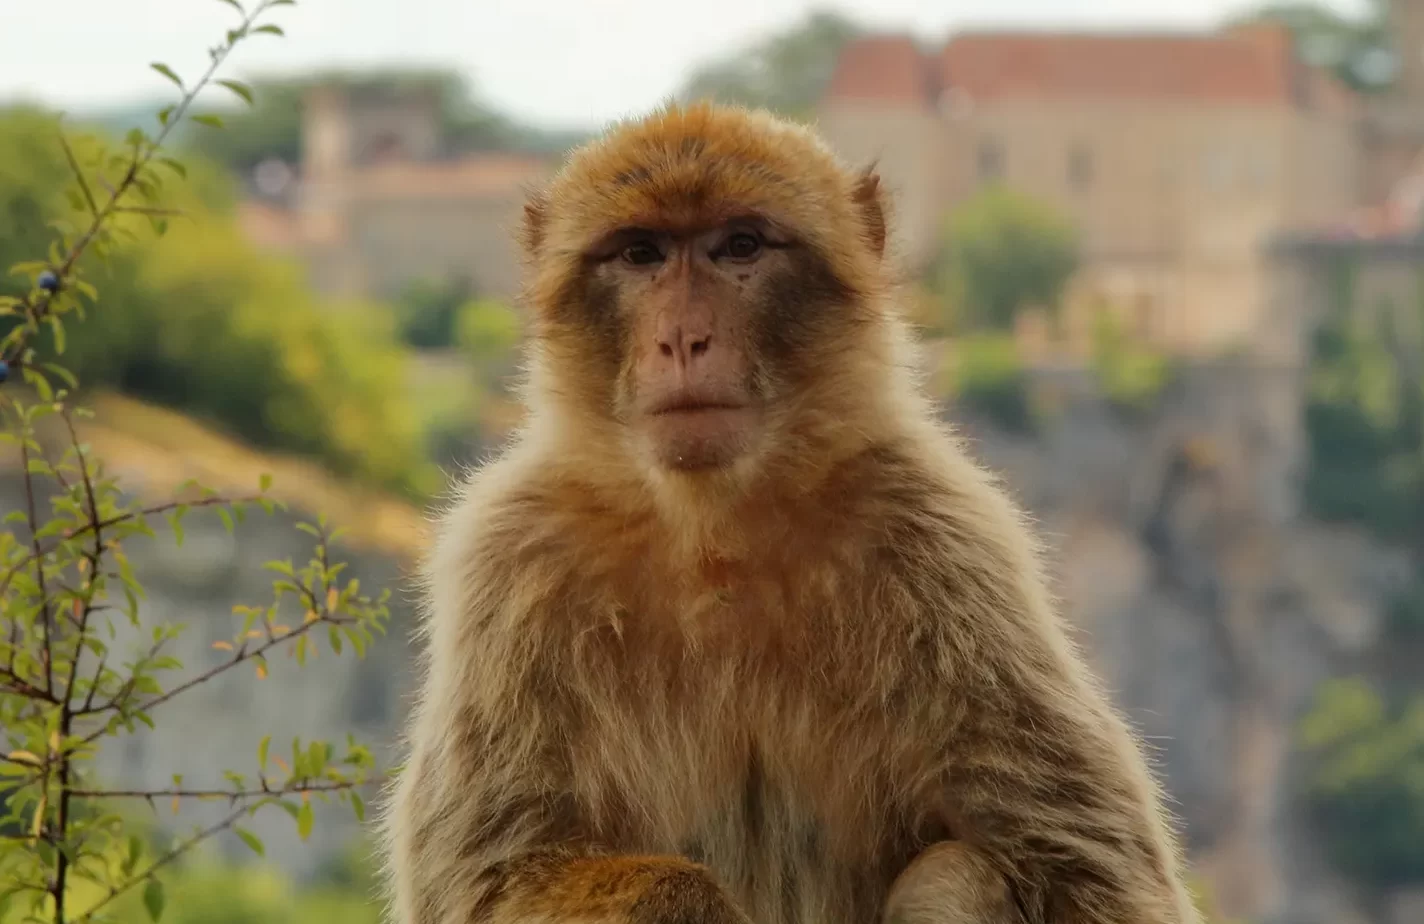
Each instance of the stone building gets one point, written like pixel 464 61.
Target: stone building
pixel 380 201
pixel 1177 156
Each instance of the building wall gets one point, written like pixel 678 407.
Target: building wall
pixel 1174 201
pixel 401 240
pixel 913 157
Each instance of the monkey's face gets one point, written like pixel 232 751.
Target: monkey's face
pixel 699 277
pixel 700 310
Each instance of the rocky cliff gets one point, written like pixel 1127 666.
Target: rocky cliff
pixel 1209 601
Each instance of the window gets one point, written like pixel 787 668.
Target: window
pixel 991 160
pixel 1080 168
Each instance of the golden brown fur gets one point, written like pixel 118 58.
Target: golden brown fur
pixel 760 692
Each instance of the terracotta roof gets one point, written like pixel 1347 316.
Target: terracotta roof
pixel 884 68
pixel 1253 64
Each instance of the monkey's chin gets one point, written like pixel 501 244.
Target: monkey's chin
pixel 694 441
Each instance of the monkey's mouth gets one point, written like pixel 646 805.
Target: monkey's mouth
pixel 684 403
pixel 692 431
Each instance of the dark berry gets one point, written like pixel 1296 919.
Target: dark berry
pixel 4 371
pixel 49 281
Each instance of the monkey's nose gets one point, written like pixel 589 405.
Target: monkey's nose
pixel 683 348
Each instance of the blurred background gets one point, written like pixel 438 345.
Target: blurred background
pixel 1167 264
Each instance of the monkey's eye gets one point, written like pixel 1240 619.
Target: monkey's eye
pixel 642 253
pixel 742 246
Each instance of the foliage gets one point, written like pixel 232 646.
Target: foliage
pixel 428 311
pixel 488 331
pixel 1005 251
pixel 272 128
pixel 68 686
pixel 988 376
pixel 786 73
pixel 1356 49
pixel 209 325
pixel 1365 418
pixel 1366 786
pixel 1131 375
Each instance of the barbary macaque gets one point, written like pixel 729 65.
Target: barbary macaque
pixel 734 630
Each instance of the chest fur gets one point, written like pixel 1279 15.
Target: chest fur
pixel 740 723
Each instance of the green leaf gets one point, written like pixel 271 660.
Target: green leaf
pixel 234 4
pixel 270 29
pixel 251 841
pixel 209 120
pixel 167 71
pixel 304 821
pixel 226 518
pixel 165 114
pixel 174 165
pixel 358 806
pixel 57 326
pixel 262 752
pixel 241 89
pixel 153 899
pixel 264 483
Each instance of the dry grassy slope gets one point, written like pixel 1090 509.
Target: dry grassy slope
pixel 154 450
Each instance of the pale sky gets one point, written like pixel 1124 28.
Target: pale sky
pixel 551 62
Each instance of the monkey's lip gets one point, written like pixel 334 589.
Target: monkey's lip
pixel 692 404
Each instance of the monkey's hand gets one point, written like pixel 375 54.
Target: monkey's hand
pixel 950 883
pixel 592 889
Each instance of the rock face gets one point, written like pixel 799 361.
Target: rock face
pixel 1205 597
pixel 1209 602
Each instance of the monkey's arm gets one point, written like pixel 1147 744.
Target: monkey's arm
pixel 1037 772
pixel 483 826
pixel 1045 780
pixel 488 834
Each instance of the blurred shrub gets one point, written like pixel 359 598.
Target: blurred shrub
pixel 428 312
pixel 489 332
pixel 988 377
pixel 196 319
pixel 1131 375
pixel 1365 788
pixel 1004 251
pixel 1364 418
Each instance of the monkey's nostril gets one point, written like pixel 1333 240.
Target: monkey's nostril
pixel 699 348
pixel 666 348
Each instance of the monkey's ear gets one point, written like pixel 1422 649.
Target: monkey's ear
pixel 535 209
pixel 870 202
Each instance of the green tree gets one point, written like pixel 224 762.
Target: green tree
pixel 68 688
pixel 1356 48
pixel 987 376
pixel 1003 252
pixel 1131 375
pixel 428 312
pixel 785 73
pixel 1365 786
pixel 209 325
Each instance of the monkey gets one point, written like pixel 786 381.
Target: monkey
pixel 734 630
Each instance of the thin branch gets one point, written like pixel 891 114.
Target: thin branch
pixel 16 684
pixel 142 513
pixel 233 794
pixel 242 656
pixel 35 556
pixel 141 158
pixel 66 715
pixel 163 861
